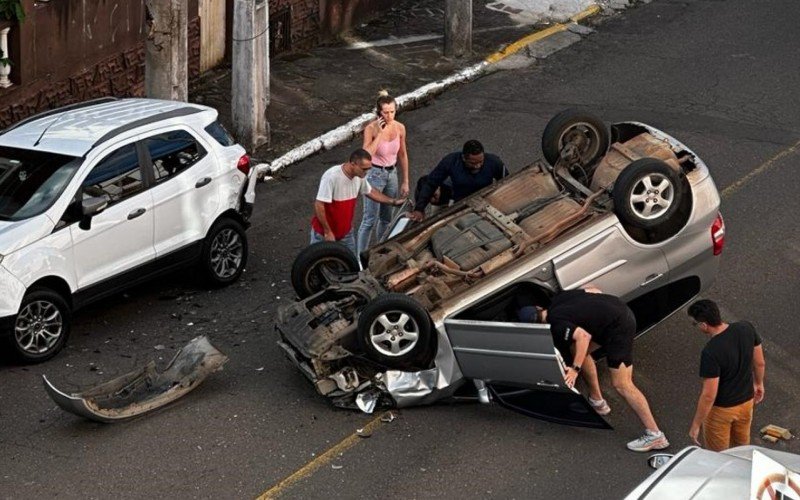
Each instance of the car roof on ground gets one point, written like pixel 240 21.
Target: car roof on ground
pixel 74 131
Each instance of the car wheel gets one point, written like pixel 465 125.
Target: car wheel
pixel 647 193
pixel 41 326
pixel 585 131
pixel 395 331
pixel 224 252
pixel 313 266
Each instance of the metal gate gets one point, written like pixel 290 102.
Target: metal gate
pixel 212 33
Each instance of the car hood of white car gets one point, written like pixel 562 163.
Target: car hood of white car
pixel 19 234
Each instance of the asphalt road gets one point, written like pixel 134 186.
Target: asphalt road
pixel 720 76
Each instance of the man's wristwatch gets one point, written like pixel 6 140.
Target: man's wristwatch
pixel 576 368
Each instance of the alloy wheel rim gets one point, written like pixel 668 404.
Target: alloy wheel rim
pixel 394 333
pixel 227 253
pixel 651 196
pixel 38 327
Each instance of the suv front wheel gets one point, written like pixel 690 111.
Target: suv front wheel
pixel 41 326
pixel 224 252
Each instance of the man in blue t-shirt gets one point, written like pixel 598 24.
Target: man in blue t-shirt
pixel 732 368
pixel 469 171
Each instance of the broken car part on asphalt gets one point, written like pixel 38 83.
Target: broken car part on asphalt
pixel 144 390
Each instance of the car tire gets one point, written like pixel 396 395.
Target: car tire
pixel 41 327
pixel 588 131
pixel 647 193
pixel 307 276
pixel 395 331
pixel 224 252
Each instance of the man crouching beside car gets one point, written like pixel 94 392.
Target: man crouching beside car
pixel 583 320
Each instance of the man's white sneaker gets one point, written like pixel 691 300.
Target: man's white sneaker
pixel 649 441
pixel 601 406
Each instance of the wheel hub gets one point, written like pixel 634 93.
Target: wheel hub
pixel 38 327
pixel 394 333
pixel 226 253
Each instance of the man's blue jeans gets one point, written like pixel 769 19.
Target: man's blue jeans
pixel 385 181
pixel 348 240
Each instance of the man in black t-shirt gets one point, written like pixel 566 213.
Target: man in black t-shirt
pixel 732 368
pixel 582 320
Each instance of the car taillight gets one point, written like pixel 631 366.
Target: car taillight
pixel 244 164
pixel 718 234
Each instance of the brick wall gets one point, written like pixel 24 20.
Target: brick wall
pixel 117 72
pixel 305 21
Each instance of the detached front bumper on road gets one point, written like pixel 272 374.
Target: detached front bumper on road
pixel 144 390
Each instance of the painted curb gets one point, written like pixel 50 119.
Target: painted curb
pixel 413 99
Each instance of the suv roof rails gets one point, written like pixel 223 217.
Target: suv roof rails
pixel 68 107
pixel 165 115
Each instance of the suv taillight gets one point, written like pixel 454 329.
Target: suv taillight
pixel 244 164
pixel 718 234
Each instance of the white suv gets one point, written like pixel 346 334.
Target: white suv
pixel 102 195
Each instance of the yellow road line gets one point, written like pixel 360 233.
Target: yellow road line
pixel 758 170
pixel 585 13
pixel 324 459
pixel 515 47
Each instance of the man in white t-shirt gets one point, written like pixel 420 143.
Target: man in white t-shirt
pixel 338 193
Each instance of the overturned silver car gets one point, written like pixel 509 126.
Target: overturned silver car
pixel 628 209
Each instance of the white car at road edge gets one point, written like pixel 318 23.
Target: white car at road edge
pixel 101 195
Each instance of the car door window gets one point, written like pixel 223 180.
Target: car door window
pixel 173 152
pixel 117 175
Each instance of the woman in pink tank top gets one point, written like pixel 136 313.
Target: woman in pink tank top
pixel 385 139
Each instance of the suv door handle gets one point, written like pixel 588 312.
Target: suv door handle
pixel 202 182
pixel 545 383
pixel 136 213
pixel 651 279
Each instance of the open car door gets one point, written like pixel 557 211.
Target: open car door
pixel 522 368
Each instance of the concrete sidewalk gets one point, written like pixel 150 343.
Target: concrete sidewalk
pixel 314 92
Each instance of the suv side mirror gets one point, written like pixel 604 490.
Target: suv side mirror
pixel 91 207
pixel 659 460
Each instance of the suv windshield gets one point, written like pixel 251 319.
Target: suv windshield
pixel 31 181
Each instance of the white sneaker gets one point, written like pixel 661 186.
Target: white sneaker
pixel 600 407
pixel 649 441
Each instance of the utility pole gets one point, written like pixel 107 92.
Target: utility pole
pixel 166 68
pixel 457 28
pixel 250 72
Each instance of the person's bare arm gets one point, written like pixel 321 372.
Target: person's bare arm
pixel 319 210
pixel 582 339
pixel 373 135
pixel 759 367
pixel 591 289
pixel 376 195
pixel 704 403
pixel 402 160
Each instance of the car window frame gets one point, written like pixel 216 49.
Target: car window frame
pixel 55 199
pixel 145 152
pixel 65 220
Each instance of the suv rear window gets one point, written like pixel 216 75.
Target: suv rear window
pixel 172 153
pixel 31 181
pixel 218 132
